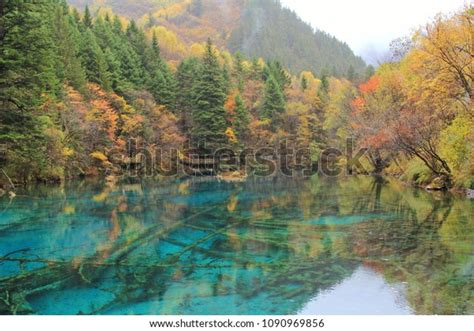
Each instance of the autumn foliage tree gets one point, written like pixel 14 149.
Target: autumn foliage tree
pixel 407 108
pixel 77 88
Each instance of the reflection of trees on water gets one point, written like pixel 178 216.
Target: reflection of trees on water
pixel 264 245
pixel 410 248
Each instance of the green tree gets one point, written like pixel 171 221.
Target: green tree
pixel 125 65
pixel 276 70
pixel 226 78
pixel 66 36
pixel 239 72
pixel 209 116
pixel 242 118
pixel 117 25
pixel 274 102
pixel 27 75
pixel 257 71
pixel 87 19
pixel 161 82
pixel 93 60
pixel 186 78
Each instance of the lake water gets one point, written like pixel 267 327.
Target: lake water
pixel 356 245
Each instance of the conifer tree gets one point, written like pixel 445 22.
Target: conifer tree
pixel 161 82
pixel 76 16
pixel 115 77
pixel 274 101
pixel 209 116
pixel 257 72
pixel 28 58
pixel 155 46
pixel 186 77
pixel 66 37
pixel 276 70
pixel 27 74
pixel 117 25
pixel 93 60
pixel 242 118
pixel 239 71
pixel 323 92
pixel 226 78
pixel 87 19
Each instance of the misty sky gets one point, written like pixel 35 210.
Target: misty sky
pixel 368 26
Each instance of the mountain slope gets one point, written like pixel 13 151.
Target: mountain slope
pixel 128 8
pixel 256 28
pixel 270 31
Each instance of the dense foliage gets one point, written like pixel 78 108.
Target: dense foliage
pixel 80 93
pixel 267 30
pixel 256 28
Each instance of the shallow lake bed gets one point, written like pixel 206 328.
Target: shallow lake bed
pixel 358 245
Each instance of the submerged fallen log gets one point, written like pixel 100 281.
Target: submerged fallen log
pixel 15 290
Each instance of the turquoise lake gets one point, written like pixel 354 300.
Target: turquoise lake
pixel 358 245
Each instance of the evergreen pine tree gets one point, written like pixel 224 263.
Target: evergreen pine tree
pixel 257 72
pixel 115 77
pixel 226 78
pixel 76 16
pixel 66 37
pixel 155 47
pixel 186 77
pixel 276 70
pixel 239 72
pixel 242 118
pixel 87 19
pixel 117 25
pixel 161 82
pixel 274 102
pixel 27 73
pixel 112 44
pixel 209 116
pixel 93 60
pixel 324 83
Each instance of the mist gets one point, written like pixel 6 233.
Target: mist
pixel 368 26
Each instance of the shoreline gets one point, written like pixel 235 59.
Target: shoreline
pixel 229 177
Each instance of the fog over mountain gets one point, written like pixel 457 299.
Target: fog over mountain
pixel 368 26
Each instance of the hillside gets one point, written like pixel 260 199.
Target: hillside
pixel 82 94
pixel 128 8
pixel 256 28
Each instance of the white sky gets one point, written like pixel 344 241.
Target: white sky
pixel 368 26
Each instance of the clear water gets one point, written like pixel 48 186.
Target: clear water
pixel 266 246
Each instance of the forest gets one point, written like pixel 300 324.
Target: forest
pixel 80 90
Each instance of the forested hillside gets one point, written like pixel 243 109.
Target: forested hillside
pixel 269 31
pixel 129 8
pixel 82 92
pixel 256 28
